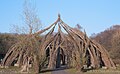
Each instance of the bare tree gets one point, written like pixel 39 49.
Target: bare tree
pixel 30 20
pixel 25 51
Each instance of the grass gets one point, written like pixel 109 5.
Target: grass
pixel 12 70
pixel 98 71
pixel 9 70
pixel 103 72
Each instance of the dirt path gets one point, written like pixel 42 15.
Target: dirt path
pixel 60 72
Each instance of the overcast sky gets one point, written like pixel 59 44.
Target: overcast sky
pixel 93 15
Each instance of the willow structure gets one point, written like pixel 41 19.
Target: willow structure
pixel 68 46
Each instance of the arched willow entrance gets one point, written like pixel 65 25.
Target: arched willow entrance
pixel 60 57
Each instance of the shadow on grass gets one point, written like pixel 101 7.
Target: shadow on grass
pixel 64 67
pixel 57 69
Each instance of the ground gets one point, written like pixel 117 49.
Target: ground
pixel 14 70
pixel 73 71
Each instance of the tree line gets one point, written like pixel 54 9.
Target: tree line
pixel 6 40
pixel 110 39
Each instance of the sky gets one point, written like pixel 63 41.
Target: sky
pixel 93 15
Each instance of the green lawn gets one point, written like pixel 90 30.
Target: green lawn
pixel 99 71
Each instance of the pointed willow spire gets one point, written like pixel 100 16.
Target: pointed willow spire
pixel 59 17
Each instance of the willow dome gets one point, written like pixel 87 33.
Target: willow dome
pixel 71 48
